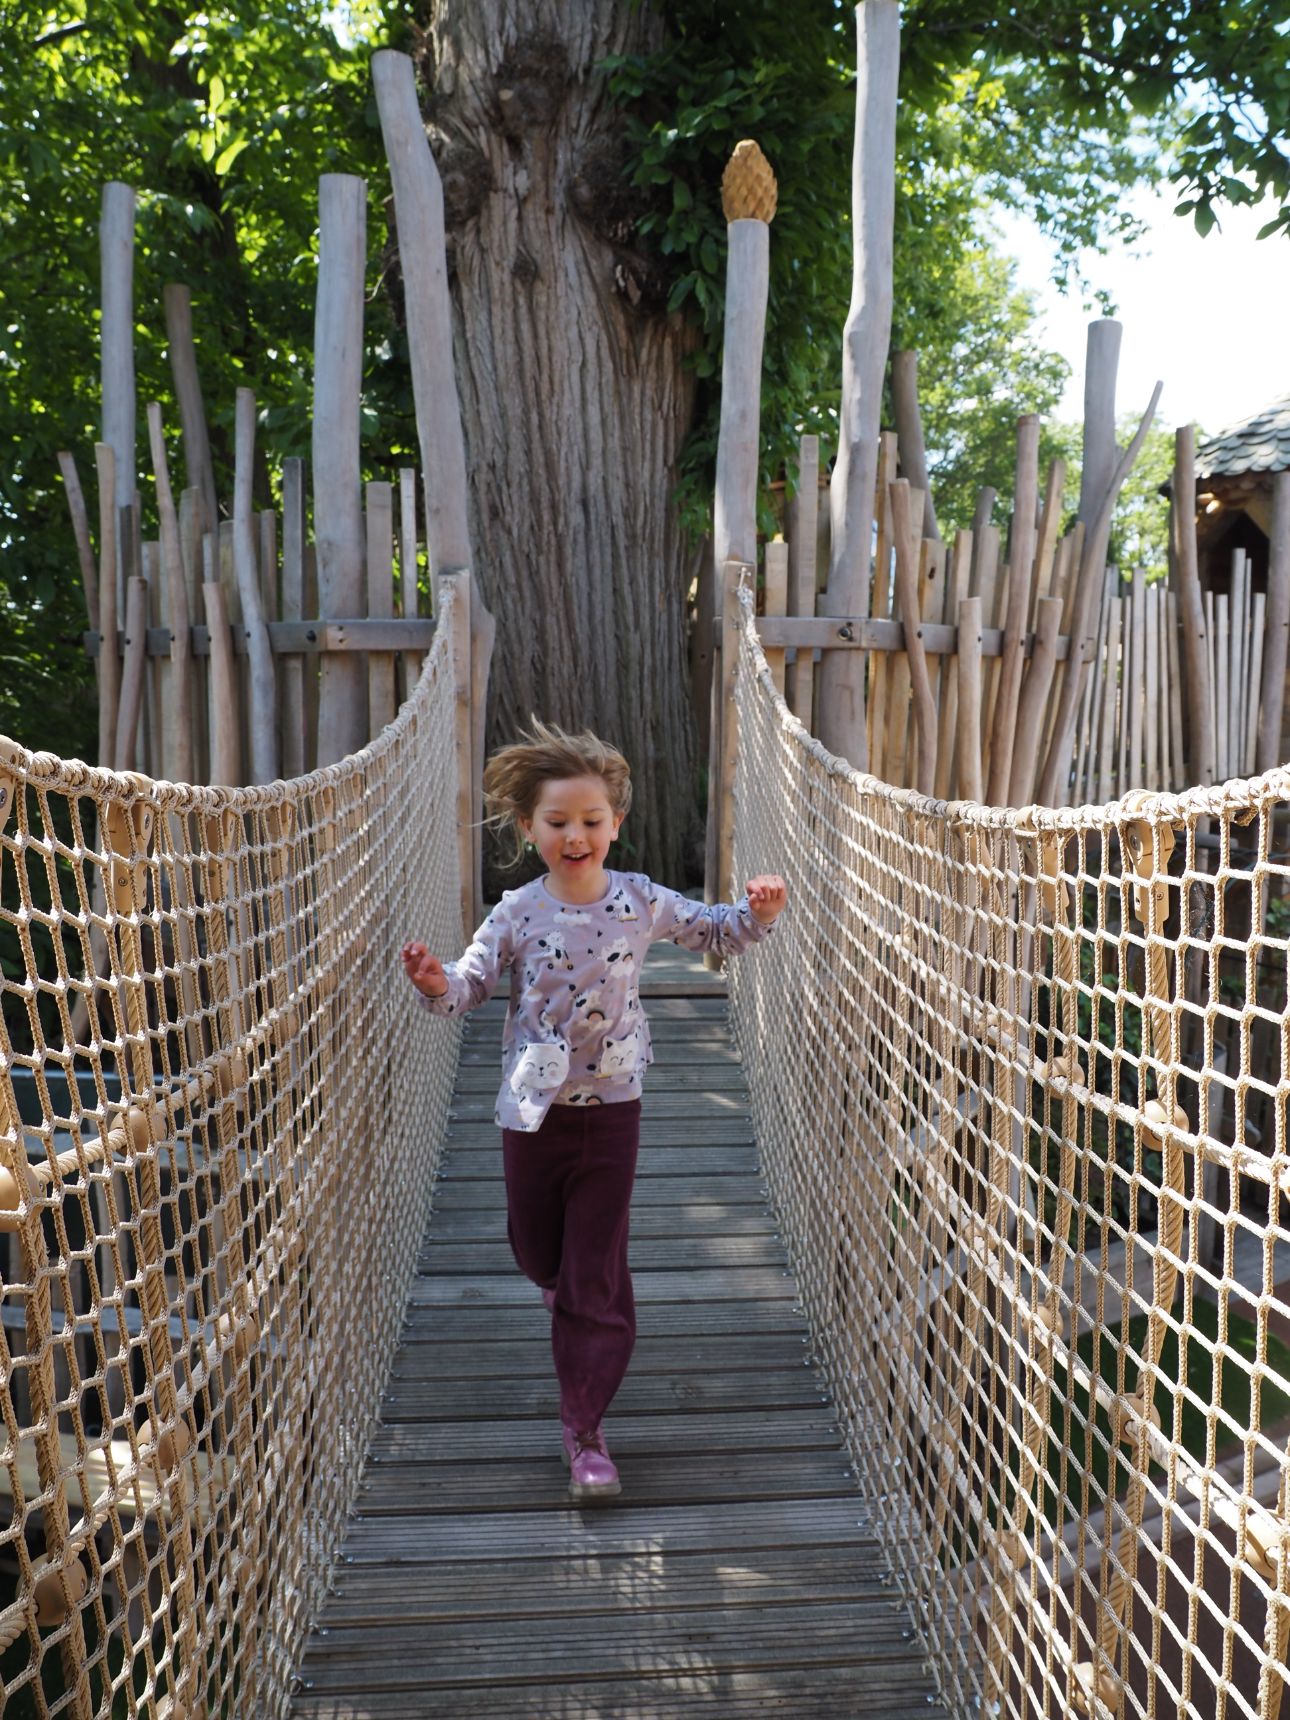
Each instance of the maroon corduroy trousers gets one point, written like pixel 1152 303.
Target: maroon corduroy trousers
pixel 568 1200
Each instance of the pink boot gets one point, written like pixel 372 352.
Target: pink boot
pixel 592 1472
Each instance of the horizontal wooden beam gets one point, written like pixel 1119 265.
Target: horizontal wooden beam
pixel 290 638
pixel 843 633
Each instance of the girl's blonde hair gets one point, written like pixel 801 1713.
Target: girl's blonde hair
pixel 513 777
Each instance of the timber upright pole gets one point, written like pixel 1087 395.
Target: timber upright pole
pixel 841 703
pixel 452 598
pixel 1272 702
pixel 116 254
pixel 418 213
pixel 262 677
pixel 338 513
pixel 1201 747
pixel 188 392
pixel 1101 367
pixel 748 196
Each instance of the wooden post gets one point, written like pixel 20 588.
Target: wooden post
pixel 266 522
pixel 338 520
pixel 1201 755
pixel 909 610
pixel 1177 778
pixel 1033 701
pixel 776 602
pixel 800 678
pixel 135 660
pixel 957 585
pixel 291 667
pixel 841 693
pixel 739 437
pixel 116 251
pixel 110 648
pixel 897 719
pixel 81 532
pixel 1137 688
pixel 455 588
pixel 1088 590
pixel 408 567
pixel 261 678
pixel 188 392
pixel 1277 633
pixel 1021 555
pixel 1112 684
pixel 1101 363
pixel 226 752
pixel 721 883
pixel 177 723
pixel 1253 681
pixel 879 604
pixel 1049 523
pixel 380 601
pixel 418 209
pixel 909 432
pixel 968 734
pixel 1223 689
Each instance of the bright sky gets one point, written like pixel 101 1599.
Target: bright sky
pixel 1207 317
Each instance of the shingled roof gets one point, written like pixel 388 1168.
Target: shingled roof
pixel 1259 444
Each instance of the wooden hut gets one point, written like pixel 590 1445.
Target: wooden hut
pixel 1234 474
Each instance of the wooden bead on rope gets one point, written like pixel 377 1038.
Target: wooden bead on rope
pixel 748 188
pixel 1066 1067
pixel 167 1449
pixel 1142 839
pixel 1129 1414
pixel 129 833
pixel 1048 1325
pixel 244 1334
pixel 54 1588
pixel 1264 1537
pixel 1087 1696
pixel 1155 1123
pixel 230 1073
pixel 11 1194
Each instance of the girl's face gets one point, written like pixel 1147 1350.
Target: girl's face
pixel 572 826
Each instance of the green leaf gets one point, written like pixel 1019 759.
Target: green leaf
pixel 229 155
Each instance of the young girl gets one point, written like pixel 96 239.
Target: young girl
pixel 574 1050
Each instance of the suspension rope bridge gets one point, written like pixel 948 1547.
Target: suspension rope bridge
pixel 999 1066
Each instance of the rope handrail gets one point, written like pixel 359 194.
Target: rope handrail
pixel 210 1202
pixel 1042 1251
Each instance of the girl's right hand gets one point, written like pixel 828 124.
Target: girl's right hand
pixel 424 970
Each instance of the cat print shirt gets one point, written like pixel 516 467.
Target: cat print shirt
pixel 575 1031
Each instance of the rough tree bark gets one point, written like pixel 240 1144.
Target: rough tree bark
pixel 574 396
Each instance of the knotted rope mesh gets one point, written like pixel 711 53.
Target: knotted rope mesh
pixel 1004 1068
pixel 212 1199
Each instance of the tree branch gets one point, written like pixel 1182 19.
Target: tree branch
pixel 58 35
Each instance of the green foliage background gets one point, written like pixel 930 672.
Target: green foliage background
pixel 224 118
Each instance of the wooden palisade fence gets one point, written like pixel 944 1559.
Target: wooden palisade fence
pixel 237 644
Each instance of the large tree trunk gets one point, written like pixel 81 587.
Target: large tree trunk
pixel 574 397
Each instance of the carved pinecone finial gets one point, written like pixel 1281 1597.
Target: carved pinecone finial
pixel 748 188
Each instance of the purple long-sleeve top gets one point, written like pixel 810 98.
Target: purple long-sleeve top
pixel 575 1031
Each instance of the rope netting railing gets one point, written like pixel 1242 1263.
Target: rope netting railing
pixel 211 1201
pixel 1004 1069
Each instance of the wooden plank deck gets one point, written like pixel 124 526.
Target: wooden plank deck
pixel 735 1576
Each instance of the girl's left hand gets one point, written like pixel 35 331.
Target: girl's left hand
pixel 767 893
